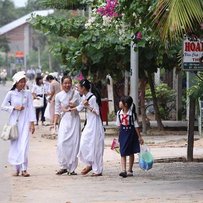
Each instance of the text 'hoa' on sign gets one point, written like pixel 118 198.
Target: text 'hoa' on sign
pixel 192 54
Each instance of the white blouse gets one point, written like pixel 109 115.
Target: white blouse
pixel 123 119
pixel 39 90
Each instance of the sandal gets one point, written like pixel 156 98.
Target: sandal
pixel 17 173
pixel 25 174
pixel 72 173
pixel 123 174
pixel 61 171
pixel 86 170
pixel 96 174
pixel 130 173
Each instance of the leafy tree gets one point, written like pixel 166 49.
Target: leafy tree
pixel 166 99
pixel 175 18
pixel 149 46
pixel 7 12
pixel 88 45
pixel 100 45
pixel 4 44
pixel 63 4
pixel 31 5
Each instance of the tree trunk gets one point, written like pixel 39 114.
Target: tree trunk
pixel 142 106
pixel 50 62
pixel 191 129
pixel 155 103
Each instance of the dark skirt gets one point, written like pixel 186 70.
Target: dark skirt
pixel 128 139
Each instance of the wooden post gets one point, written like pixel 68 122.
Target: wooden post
pixel 191 129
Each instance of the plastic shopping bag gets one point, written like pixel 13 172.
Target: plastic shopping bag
pixel 145 158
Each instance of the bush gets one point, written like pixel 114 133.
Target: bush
pixel 166 100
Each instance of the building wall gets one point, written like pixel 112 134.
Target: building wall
pixel 18 39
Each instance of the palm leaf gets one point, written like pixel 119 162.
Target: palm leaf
pixel 174 18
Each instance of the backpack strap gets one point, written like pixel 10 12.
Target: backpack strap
pixel 90 97
pixel 119 116
pixel 86 112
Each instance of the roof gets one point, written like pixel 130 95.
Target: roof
pixel 16 23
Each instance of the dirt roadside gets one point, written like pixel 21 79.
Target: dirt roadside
pixel 165 182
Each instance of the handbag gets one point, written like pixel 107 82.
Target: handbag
pixel 38 102
pixel 145 158
pixel 9 132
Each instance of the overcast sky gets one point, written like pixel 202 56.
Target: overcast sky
pixel 19 3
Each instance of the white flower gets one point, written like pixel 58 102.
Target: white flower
pixel 106 20
pixel 90 21
pixel 134 14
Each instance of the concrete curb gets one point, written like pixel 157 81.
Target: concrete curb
pixel 176 159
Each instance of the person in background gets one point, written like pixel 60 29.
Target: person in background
pixel 46 84
pixel 129 134
pixel 18 102
pixel 92 139
pixel 3 76
pixel 38 72
pixel 69 127
pixel 40 90
pixel 55 88
pixel 30 79
pixel 47 110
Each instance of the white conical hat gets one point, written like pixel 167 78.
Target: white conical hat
pixel 18 76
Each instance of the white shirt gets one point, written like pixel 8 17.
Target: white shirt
pixel 39 90
pixel 124 118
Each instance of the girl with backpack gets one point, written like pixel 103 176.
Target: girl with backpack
pixel 92 138
pixel 129 135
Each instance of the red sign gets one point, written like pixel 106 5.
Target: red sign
pixel 19 54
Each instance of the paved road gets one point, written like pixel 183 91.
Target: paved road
pixel 5 180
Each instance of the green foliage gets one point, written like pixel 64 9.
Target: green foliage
pixel 100 45
pixel 166 99
pixel 60 26
pixel 196 91
pixel 62 4
pixel 32 60
pixel 7 12
pixel 88 45
pixel 2 60
pixel 4 44
pixel 175 18
pixel 153 53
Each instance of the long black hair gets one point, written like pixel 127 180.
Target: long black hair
pixel 86 84
pixel 38 79
pixel 90 86
pixel 128 100
pixel 14 87
pixel 49 77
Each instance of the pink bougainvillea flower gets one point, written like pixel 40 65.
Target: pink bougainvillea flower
pixel 109 9
pixel 80 76
pixel 139 36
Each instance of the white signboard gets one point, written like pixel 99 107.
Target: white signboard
pixel 192 54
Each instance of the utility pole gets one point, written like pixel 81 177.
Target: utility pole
pixel 134 79
pixel 39 57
